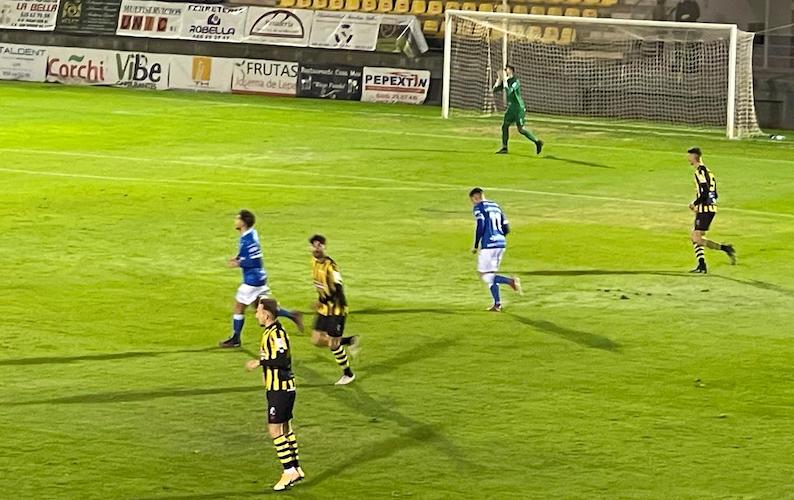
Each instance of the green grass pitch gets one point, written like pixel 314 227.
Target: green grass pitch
pixel 116 214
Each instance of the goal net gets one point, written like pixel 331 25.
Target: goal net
pixel 676 73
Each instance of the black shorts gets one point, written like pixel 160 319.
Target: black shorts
pixel 703 220
pixel 279 406
pixel 334 326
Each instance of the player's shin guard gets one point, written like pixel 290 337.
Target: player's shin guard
pixel 341 360
pixel 526 133
pixel 495 293
pixel 700 254
pixel 499 280
pixel 293 444
pixel 284 451
pixel 238 320
pixel 490 279
pixel 505 135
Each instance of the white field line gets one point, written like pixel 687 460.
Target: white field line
pixel 460 137
pixel 203 162
pixel 148 180
pixel 410 185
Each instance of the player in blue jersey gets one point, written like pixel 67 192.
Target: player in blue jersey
pixel 249 259
pixel 490 241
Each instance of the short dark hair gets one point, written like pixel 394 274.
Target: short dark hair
pixel 695 151
pixel 475 191
pixel 269 304
pixel 510 67
pixel 247 217
pixel 317 237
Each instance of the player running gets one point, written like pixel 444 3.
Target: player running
pixel 249 259
pixel 705 208
pixel 490 241
pixel 516 110
pixel 276 362
pixel 331 307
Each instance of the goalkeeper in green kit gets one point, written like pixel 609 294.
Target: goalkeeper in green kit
pixel 516 110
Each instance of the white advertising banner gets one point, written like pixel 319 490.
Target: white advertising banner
pixel 213 74
pixel 345 30
pixel 77 66
pixel 150 19
pixel 34 15
pixel 213 23
pixel 23 62
pixel 270 26
pixel 395 85
pixel 256 76
pixel 142 71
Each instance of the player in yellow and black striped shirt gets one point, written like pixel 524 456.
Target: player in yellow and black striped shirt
pixel 331 307
pixel 705 208
pixel 276 363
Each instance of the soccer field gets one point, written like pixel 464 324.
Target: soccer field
pixel 116 215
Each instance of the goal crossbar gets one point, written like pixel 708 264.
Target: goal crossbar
pixel 500 16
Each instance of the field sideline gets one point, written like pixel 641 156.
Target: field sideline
pixel 617 375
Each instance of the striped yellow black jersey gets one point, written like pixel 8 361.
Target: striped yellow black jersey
pixel 328 283
pixel 276 359
pixel 706 190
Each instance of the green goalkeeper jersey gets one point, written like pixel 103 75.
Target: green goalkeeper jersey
pixel 515 103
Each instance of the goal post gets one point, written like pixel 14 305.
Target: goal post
pixel 697 74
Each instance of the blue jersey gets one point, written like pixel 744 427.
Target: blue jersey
pixel 492 226
pixel 250 258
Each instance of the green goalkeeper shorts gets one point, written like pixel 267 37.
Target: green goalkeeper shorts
pixel 514 116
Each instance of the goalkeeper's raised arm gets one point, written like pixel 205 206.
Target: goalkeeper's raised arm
pixel 499 84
